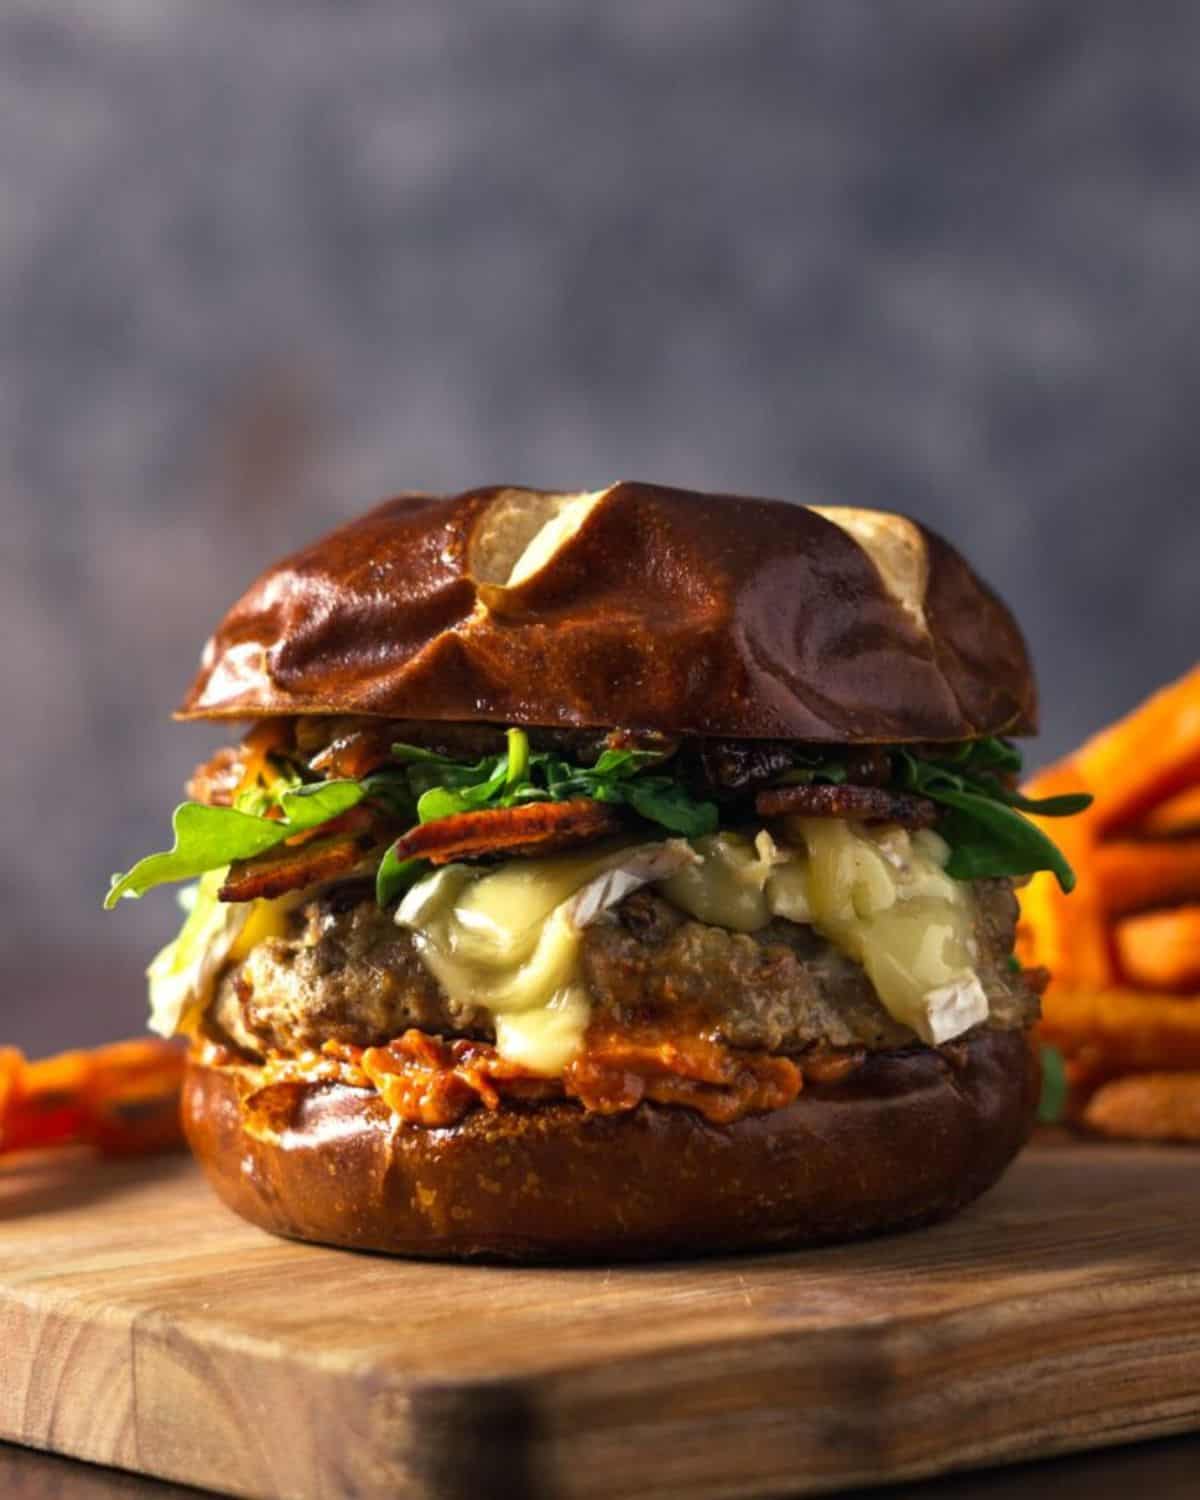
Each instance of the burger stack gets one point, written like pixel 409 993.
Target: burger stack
pixel 606 874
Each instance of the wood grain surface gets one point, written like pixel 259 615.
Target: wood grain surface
pixel 1164 1468
pixel 143 1326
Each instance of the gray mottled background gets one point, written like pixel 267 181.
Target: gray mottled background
pixel 261 264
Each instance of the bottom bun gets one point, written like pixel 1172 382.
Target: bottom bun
pixel 905 1140
pixel 909 1138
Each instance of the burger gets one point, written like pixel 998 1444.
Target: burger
pixel 606 875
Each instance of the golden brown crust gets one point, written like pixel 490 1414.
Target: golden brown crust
pixel 682 612
pixel 908 1138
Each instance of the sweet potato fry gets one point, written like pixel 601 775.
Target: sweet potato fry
pixel 135 1097
pixel 1084 1073
pixel 1150 755
pixel 49 1103
pixel 123 1097
pixel 1066 934
pixel 1122 1029
pixel 1177 815
pixel 1124 1005
pixel 1147 1107
pixel 1160 950
pixel 1136 874
pixel 12 1066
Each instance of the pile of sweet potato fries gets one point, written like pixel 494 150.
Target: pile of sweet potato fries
pixel 1123 1007
pixel 121 1099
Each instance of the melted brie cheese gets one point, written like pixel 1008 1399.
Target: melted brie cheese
pixel 887 901
pixel 183 975
pixel 507 939
pixel 881 897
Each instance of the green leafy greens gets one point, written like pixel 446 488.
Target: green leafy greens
pixel 1052 1105
pixel 982 820
pixel 983 825
pixel 429 786
pixel 442 787
pixel 395 875
pixel 208 838
pixel 422 786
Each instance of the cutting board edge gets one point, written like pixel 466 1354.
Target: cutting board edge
pixel 253 1411
pixel 868 1374
pixel 429 1475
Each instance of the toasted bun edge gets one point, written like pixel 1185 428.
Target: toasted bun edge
pixel 911 1137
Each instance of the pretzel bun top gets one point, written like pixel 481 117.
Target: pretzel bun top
pixel 636 605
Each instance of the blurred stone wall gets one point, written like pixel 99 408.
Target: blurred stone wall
pixel 262 264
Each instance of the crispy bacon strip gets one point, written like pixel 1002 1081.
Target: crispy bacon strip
pixel 357 753
pixel 360 819
pixel 235 767
pixel 874 804
pixel 291 868
pixel 534 828
pixel 215 782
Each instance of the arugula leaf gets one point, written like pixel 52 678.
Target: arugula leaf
pixel 994 754
pixel 391 790
pixel 269 788
pixel 831 774
pixel 395 875
pixel 1050 807
pixel 208 838
pixel 987 838
pixel 658 799
pixel 420 785
pixel 813 766
pixel 621 763
pixel 984 827
pixel 517 769
pixel 443 787
pixel 1053 1103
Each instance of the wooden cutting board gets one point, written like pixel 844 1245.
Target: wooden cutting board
pixel 142 1325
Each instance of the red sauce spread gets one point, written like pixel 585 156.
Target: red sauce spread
pixel 435 1081
pixel 432 1081
pixel 428 1081
pixel 618 1068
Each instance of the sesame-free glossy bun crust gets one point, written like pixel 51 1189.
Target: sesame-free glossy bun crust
pixel 666 609
pixel 911 1137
